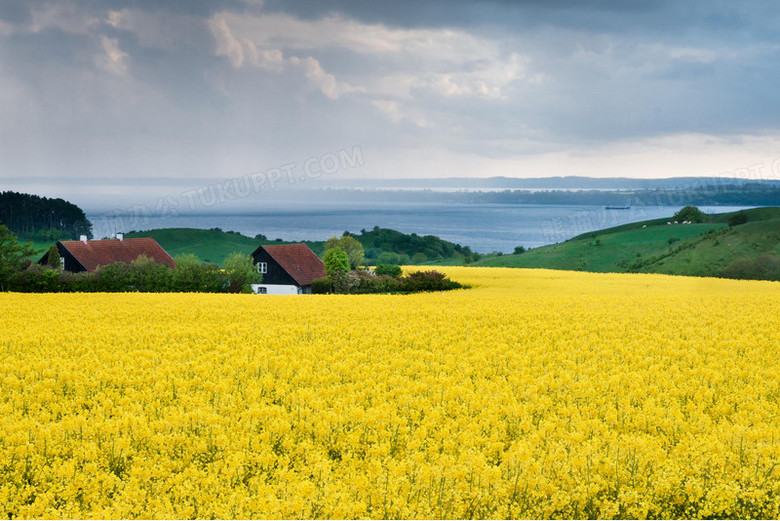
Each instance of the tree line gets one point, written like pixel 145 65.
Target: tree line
pixel 42 218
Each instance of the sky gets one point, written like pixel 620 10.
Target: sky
pixel 107 93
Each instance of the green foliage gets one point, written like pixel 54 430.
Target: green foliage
pixel 764 267
pixel 53 258
pixel 427 281
pixel 362 282
pixel 738 218
pixel 36 279
pixel 191 275
pixel 690 214
pixel 13 256
pixel 391 270
pixel 381 241
pixel 211 246
pixel 388 257
pixel 336 261
pixel 672 240
pixel 519 250
pixel 49 235
pixel 43 218
pixel 149 276
pixel 702 249
pixel 112 278
pixel 350 246
pixel 419 258
pixel 241 271
pixel 143 275
pixel 337 268
pixel 320 286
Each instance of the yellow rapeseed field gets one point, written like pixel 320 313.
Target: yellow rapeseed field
pixel 533 394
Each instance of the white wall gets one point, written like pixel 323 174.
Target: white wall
pixel 276 289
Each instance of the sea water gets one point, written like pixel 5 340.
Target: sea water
pixel 483 227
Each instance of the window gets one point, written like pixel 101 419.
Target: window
pixel 262 291
pixel 262 267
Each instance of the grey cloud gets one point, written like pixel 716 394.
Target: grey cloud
pixel 591 72
pixel 14 12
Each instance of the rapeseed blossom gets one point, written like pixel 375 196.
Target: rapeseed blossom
pixel 534 394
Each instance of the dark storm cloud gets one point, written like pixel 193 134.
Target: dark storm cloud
pixel 205 88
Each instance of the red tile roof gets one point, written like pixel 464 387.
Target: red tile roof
pixel 107 251
pixel 298 260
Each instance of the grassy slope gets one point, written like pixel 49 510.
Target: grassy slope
pixel 207 245
pixel 709 255
pixel 39 247
pixel 694 254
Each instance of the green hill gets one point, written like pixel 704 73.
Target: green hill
pixel 657 247
pixel 209 245
pixel 214 245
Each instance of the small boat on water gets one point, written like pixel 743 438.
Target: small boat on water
pixel 617 207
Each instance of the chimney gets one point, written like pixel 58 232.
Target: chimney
pixel 120 236
pixel 83 239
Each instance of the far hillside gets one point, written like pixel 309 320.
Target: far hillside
pixel 386 246
pixel 210 245
pixel 381 245
pixel 704 249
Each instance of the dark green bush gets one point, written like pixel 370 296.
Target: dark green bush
pixel 419 258
pixel 149 276
pixel 427 281
pixel 36 279
pixel 361 282
pixel 765 267
pixel 191 275
pixel 391 270
pixel 738 218
pixel 113 278
pixel 320 286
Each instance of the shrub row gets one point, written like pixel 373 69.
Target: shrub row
pixel 363 282
pixel 142 275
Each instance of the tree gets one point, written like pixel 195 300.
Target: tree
pixel 241 271
pixel 691 214
pixel 388 257
pixel 391 270
pixel 738 218
pixel 191 275
pixel 149 276
pixel 419 258
pixel 42 218
pixel 337 268
pixel 53 258
pixel 320 286
pixel 519 250
pixel 13 256
pixel 336 262
pixel 350 246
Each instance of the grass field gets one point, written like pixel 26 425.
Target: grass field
pixel 535 394
pixel 208 245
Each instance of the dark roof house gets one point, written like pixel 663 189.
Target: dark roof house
pixel 84 255
pixel 288 264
